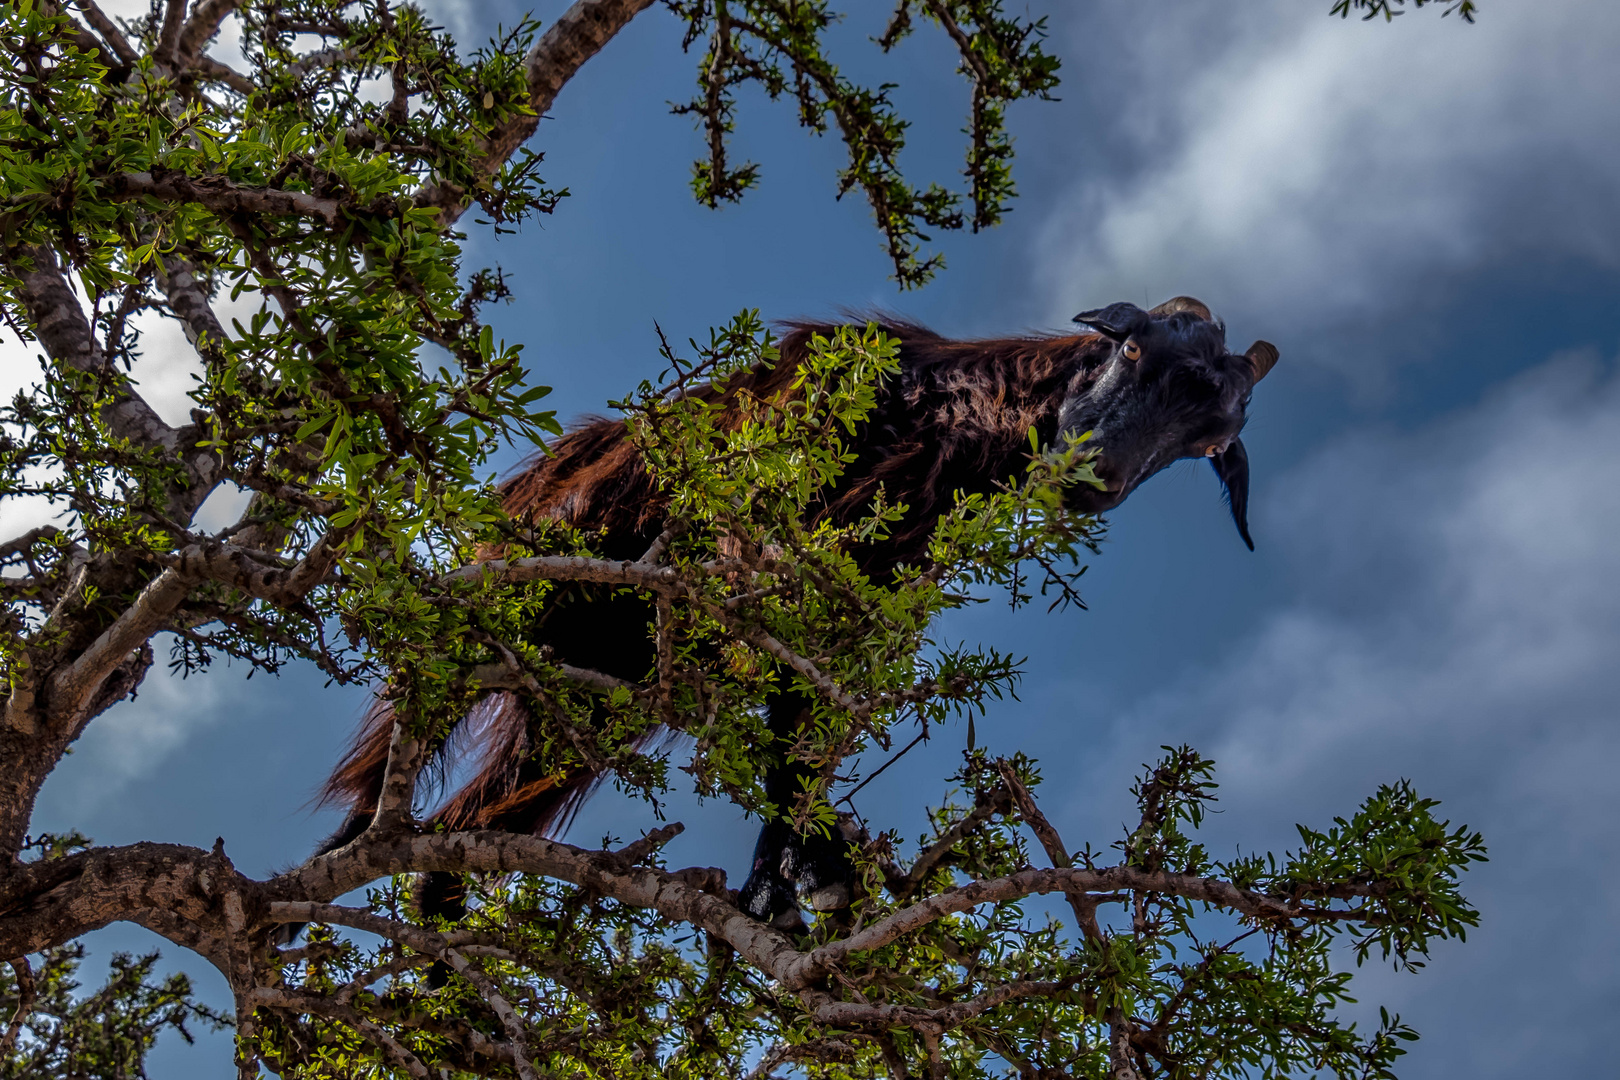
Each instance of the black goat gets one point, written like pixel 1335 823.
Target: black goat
pixel 1151 386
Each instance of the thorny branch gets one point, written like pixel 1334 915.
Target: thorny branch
pixel 365 468
pixel 577 35
pixel 71 895
pixel 23 975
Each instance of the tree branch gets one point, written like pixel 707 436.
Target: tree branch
pixel 241 568
pixel 60 326
pixel 21 545
pixel 268 997
pixel 26 993
pixel 318 59
pixel 985 807
pixel 406 755
pixel 114 37
pixel 577 35
pixel 45 903
pixel 812 674
pixel 167 51
pixel 850 1014
pixel 72 687
pixel 503 676
pixel 567 568
pixel 214 71
pixel 206 18
pixel 189 301
pixel 424 941
pixel 1085 911
pixel 219 195
pixel 1213 891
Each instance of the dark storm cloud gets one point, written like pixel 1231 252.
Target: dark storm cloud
pixel 1439 601
pixel 1455 620
pixel 1452 605
pixel 1312 170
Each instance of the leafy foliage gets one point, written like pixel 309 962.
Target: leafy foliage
pixel 99 1036
pixel 611 989
pixel 778 44
pixel 104 1035
pixel 359 398
pixel 1467 10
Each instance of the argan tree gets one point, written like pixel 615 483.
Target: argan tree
pixel 325 178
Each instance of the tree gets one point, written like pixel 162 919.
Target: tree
pixel 360 405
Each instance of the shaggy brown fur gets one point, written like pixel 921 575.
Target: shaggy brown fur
pixel 1156 386
pixel 956 417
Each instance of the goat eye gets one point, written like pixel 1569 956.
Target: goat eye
pixel 1212 451
pixel 1131 350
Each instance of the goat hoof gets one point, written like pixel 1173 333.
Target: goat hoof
pixel 285 934
pixel 790 921
pixel 828 897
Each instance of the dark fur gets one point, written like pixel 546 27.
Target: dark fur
pixel 955 418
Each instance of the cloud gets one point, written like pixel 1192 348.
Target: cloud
pixel 1287 162
pixel 1455 621
pixel 164 370
pixel 133 738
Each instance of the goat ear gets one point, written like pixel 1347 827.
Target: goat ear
pixel 1118 321
pixel 1183 303
pixel 1262 357
pixel 1232 466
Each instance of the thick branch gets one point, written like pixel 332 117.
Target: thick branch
pixel 219 195
pixel 567 568
pixel 117 66
pixel 50 902
pixel 108 30
pixel 850 1014
pixel 65 333
pixel 72 688
pixel 174 17
pixel 240 568
pixel 189 301
pixel 23 544
pixel 205 21
pixel 406 753
pixel 62 329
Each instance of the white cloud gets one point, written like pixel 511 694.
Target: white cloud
pixel 1456 621
pixel 165 370
pixel 1282 161
pixel 20 373
pixel 133 738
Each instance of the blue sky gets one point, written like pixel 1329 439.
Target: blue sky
pixel 1422 216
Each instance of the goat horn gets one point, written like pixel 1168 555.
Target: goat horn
pixel 1262 357
pixel 1183 303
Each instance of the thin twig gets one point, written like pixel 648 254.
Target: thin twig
pixel 108 30
pixel 921 735
pixel 1085 911
pixel 27 991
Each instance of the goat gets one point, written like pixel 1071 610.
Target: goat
pixel 1151 386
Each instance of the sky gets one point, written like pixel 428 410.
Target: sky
pixel 1421 215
